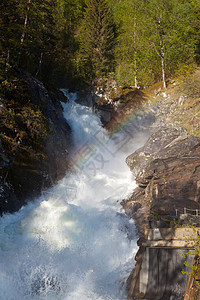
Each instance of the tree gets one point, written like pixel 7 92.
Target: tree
pixel 67 16
pixel 130 55
pixel 9 20
pixel 171 33
pixel 38 36
pixel 97 39
pixel 156 38
pixel 159 23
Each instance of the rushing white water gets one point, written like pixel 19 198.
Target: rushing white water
pixel 74 242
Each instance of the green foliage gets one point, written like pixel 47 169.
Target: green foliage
pixel 66 40
pixel 35 122
pixel 97 39
pixel 191 86
pixel 151 30
pixel 184 70
pixel 155 215
pixel 67 17
pixel 22 125
pixel 39 37
pixel 195 270
pixel 132 60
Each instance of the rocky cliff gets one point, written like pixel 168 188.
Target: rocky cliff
pixel 116 103
pixel 34 140
pixel 167 172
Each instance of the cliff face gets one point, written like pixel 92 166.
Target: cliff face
pixel 58 142
pixel 167 171
pixel 34 141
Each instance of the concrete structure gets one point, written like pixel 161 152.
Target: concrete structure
pixel 158 273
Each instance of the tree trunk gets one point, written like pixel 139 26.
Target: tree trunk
pixel 162 52
pixel 163 65
pixel 7 60
pixel 40 64
pixel 135 51
pixel 135 58
pixel 24 31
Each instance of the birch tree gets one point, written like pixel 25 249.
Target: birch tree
pixel 24 29
pixel 130 40
pixel 171 33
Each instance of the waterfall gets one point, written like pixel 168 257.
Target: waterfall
pixel 74 242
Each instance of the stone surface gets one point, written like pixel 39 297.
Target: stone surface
pixel 158 274
pixel 35 165
pixel 167 171
pixel 117 104
pixel 168 234
pixel 58 142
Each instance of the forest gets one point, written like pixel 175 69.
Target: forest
pixel 73 42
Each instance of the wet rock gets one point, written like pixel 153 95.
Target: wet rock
pixel 85 97
pixel 29 166
pixel 115 103
pixel 58 142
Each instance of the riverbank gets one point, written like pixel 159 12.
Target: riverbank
pixel 166 172
pixel 73 241
pixel 34 140
pixel 166 167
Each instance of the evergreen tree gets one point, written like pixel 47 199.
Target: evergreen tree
pixel 97 39
pixel 9 24
pixel 67 16
pixel 52 38
pixel 39 36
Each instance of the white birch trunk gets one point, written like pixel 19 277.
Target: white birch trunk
pixel 163 64
pixel 25 23
pixel 135 51
pixel 24 31
pixel 162 52
pixel 40 64
pixel 7 60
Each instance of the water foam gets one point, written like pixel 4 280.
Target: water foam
pixel 74 242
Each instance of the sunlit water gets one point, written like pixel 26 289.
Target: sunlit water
pixel 74 242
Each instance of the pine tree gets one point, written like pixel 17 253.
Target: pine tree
pixel 97 39
pixel 38 36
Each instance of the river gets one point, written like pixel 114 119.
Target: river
pixel 74 242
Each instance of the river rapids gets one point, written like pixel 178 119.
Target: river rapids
pixel 74 242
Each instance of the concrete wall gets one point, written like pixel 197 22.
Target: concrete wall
pixel 160 260
pixel 170 237
pixel 169 233
pixel 160 274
